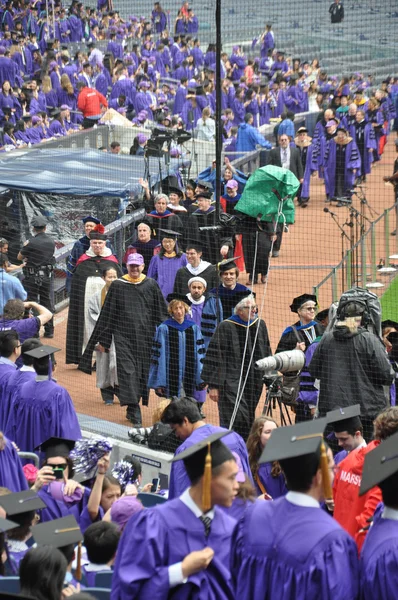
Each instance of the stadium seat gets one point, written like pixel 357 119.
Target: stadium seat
pixel 10 584
pixel 99 593
pixel 149 500
pixel 104 579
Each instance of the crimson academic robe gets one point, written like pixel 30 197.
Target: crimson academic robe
pixel 284 551
pixel 379 560
pixel 157 538
pixel 86 267
pixel 179 480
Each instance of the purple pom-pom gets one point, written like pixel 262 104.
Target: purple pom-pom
pixel 87 453
pixel 125 473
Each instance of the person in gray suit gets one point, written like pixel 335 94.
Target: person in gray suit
pixel 288 157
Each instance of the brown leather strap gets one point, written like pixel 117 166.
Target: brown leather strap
pixel 260 485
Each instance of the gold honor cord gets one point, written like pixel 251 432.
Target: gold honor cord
pixel 324 465
pixel 206 493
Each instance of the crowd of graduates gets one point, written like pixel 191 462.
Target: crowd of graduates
pixel 152 74
pixel 268 512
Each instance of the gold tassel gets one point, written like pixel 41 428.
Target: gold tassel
pixel 327 488
pixel 78 572
pixel 206 494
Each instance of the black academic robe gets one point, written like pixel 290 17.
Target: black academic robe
pixel 130 314
pixel 306 333
pixel 92 267
pixel 167 220
pixel 222 369
pixel 184 275
pixel 211 240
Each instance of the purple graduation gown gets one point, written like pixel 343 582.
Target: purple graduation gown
pixel 274 486
pixel 56 509
pixel 164 271
pixel 284 551
pixel 157 538
pixel 42 409
pixel 379 561
pixel 5 373
pixel 11 473
pixel 14 383
pixel 179 480
pixel 352 161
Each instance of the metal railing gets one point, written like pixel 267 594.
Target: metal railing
pixel 367 263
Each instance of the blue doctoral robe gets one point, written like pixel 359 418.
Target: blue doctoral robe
pixel 284 551
pixel 11 472
pixel 179 480
pixel 43 409
pixel 379 560
pixel 177 356
pixel 162 536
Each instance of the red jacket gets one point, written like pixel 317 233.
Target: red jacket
pixel 89 102
pixel 351 510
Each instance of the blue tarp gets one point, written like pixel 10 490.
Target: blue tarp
pixel 78 172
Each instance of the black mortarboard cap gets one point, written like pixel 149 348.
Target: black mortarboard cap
pixel 226 265
pixel 143 221
pixel 294 441
pixel 191 183
pixel 21 502
pixel 56 447
pixel 90 219
pixel 388 323
pixel 380 463
pixel 6 525
pixel 207 185
pixel 168 233
pixel 194 457
pixel 300 300
pixel 343 419
pixel 42 351
pixel 38 221
pixel 201 458
pixel 175 190
pixel 205 194
pixel 180 297
pixel 322 315
pixel 58 533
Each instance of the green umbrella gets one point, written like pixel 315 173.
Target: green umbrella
pixel 259 199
